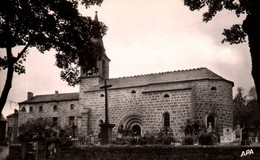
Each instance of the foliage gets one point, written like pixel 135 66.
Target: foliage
pixel 43 129
pixel 38 129
pixel 237 33
pixel 246 110
pixel 248 115
pixel 160 138
pixel 45 25
pixel 188 140
pixel 240 99
pixel 252 93
pixel 207 139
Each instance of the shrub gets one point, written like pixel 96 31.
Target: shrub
pixel 188 140
pixel 207 139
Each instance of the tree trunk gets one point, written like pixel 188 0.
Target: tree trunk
pixel 9 78
pixel 252 27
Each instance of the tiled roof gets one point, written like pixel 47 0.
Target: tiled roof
pixel 52 98
pixel 165 77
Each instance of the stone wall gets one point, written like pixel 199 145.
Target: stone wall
pixel 214 97
pixel 148 102
pixel 193 100
pixel 162 152
pixel 63 112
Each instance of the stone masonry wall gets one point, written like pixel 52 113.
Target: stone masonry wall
pixel 147 102
pixel 217 102
pixel 193 100
pixel 63 112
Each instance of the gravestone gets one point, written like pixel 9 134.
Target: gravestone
pixel 227 135
pixel 238 133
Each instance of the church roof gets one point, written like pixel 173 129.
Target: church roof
pixel 52 98
pixel 165 77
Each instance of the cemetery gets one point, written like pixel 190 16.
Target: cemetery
pixel 198 142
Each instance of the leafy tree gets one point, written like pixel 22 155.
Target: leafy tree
pixel 48 24
pixel 246 111
pixel 239 105
pixel 240 99
pixel 237 33
pixel 252 93
pixel 40 129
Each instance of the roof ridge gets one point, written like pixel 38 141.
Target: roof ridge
pixel 54 94
pixel 149 74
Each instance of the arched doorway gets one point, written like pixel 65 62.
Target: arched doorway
pixel 211 120
pixel 133 123
pixel 136 129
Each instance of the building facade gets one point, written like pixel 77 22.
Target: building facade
pixel 12 127
pixel 148 103
pixel 62 108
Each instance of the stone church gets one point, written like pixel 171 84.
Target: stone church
pixel 151 102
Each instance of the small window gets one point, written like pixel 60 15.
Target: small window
pixel 55 108
pixel 72 106
pixel 31 109
pixel 40 108
pixel 23 109
pixel 133 91
pixel 166 95
pixel 71 121
pixel 11 120
pixel 102 95
pixel 213 88
pixel 55 121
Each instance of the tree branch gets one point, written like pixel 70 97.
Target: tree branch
pixel 22 52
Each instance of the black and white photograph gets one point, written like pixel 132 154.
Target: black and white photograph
pixel 129 79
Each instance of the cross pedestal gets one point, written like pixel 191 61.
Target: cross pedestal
pixel 106 133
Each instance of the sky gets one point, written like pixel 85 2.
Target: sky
pixel 143 37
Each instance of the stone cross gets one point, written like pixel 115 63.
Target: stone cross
pixel 105 87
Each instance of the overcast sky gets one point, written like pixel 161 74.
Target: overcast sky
pixel 143 37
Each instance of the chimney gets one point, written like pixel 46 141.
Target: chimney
pixel 29 95
pixel 56 93
pixel 15 111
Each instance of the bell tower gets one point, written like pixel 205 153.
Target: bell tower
pixel 102 70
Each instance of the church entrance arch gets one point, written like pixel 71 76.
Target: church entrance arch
pixel 133 123
pixel 136 129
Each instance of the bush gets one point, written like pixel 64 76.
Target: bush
pixel 207 139
pixel 188 140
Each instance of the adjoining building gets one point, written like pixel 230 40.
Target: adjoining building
pixel 63 109
pixel 12 127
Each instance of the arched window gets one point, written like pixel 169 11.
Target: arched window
pixel 213 88
pixel 133 91
pixel 210 121
pixel 23 109
pixel 166 95
pixel 102 95
pixel 166 119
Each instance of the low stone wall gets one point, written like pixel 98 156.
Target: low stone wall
pixel 161 153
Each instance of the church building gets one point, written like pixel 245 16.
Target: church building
pixel 148 103
pixel 151 102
